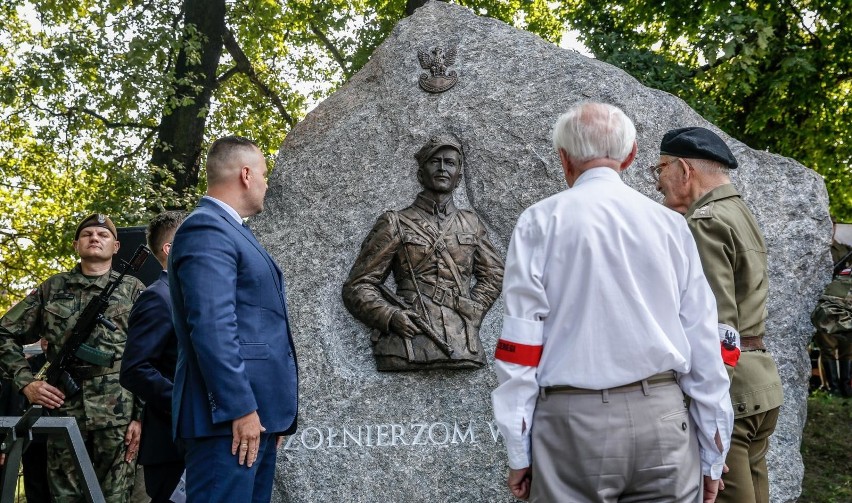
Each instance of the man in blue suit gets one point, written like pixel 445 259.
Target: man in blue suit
pixel 148 367
pixel 235 392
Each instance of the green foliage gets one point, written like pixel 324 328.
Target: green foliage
pixel 85 85
pixel 776 75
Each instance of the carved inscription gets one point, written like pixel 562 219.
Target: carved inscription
pixel 393 435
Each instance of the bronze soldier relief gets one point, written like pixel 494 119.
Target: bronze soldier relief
pixel 446 271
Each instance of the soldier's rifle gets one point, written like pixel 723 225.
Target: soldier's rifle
pixel 425 328
pixel 55 371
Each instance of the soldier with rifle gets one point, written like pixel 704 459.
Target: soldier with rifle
pixel 446 270
pixel 88 308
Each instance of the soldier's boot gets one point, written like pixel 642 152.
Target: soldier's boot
pixel 845 377
pixel 829 367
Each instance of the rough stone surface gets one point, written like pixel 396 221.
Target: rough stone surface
pixel 426 436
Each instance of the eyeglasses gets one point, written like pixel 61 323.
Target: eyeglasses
pixel 655 169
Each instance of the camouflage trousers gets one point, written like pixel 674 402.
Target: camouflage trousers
pixel 106 450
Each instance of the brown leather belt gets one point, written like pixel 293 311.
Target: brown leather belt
pixel 656 379
pixel 442 296
pixel 752 344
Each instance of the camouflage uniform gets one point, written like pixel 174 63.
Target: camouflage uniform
pixel 838 251
pixel 447 247
pixel 733 256
pixel 832 318
pixel 103 408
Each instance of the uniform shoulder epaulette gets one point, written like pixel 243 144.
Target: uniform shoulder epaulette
pixel 705 211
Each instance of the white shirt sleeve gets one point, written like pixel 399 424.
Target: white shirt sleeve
pixel 521 342
pixel 707 382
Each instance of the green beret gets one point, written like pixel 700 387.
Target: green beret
pixel 435 144
pixel 96 220
pixel 697 143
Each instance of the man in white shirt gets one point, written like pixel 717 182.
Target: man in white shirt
pixel 609 322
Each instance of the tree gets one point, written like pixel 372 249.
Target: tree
pixel 776 75
pixel 107 105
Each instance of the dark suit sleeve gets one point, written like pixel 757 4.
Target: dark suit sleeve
pixel 206 267
pixel 148 333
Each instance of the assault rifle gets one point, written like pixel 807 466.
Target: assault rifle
pixel 841 264
pixel 55 371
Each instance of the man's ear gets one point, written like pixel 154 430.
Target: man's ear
pixel 117 246
pixel 630 158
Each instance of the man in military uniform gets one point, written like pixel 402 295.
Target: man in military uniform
pixel 106 413
pixel 693 176
pixel 434 250
pixel 839 251
pixel 832 319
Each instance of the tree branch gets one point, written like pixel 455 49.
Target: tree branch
pixel 802 22
pixel 138 148
pixel 227 75
pixel 244 65
pixel 335 53
pixel 108 123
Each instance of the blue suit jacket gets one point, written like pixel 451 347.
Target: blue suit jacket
pixel 235 352
pixel 148 370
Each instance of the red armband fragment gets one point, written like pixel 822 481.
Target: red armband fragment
pixel 514 352
pixel 730 355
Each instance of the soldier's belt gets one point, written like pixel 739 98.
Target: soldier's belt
pixel 752 344
pixel 84 372
pixel 442 296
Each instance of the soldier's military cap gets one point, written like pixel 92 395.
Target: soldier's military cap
pixel 96 220
pixel 697 143
pixel 435 144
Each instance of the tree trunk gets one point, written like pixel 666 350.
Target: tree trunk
pixel 180 133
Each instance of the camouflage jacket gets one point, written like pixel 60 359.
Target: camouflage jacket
pixel 833 312
pixel 50 311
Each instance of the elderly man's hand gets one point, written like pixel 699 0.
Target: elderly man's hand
pixel 519 482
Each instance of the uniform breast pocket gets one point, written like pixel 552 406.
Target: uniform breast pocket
pixel 413 240
pixel 254 350
pixel 61 307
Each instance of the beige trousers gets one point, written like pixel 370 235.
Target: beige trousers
pixel 615 446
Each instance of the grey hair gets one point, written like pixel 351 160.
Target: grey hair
pixel 594 131
pixel 710 167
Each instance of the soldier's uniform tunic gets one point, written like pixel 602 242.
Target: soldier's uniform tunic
pixel 103 408
pixel 447 248
pixel 733 256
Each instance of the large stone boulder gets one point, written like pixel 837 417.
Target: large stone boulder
pixel 428 436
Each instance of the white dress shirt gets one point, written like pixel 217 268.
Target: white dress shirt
pixel 607 286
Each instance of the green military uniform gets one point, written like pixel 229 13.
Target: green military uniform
pixel 832 318
pixel 733 255
pixel 103 408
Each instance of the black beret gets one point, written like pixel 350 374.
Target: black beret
pixel 435 144
pixel 96 220
pixel 697 143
